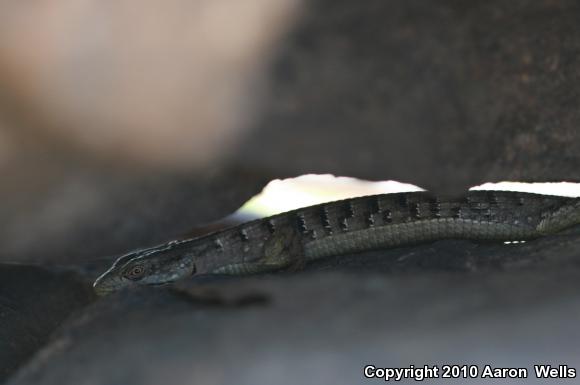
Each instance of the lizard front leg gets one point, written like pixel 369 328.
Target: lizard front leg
pixel 282 250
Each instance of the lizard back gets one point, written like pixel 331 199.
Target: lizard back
pixel 374 222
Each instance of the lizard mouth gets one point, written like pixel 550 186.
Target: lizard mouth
pixel 104 285
pixel 102 290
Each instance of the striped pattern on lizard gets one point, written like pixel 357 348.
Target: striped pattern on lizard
pixel 347 226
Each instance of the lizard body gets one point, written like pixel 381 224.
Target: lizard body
pixel 346 226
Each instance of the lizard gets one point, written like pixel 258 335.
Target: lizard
pixel 293 238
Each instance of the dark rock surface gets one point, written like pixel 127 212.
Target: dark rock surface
pixel 447 302
pixel 444 94
pixel 90 214
pixel 33 302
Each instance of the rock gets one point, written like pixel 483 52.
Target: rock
pixel 33 302
pixel 89 215
pixel 504 305
pixel 444 95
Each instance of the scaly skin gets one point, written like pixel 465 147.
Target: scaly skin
pixel 347 226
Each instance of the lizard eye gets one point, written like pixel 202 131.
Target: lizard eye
pixel 134 272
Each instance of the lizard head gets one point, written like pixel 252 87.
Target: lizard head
pixel 155 266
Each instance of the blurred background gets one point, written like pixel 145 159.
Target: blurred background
pixel 125 124
pixel 113 111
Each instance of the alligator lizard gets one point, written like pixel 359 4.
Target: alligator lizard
pixel 347 226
